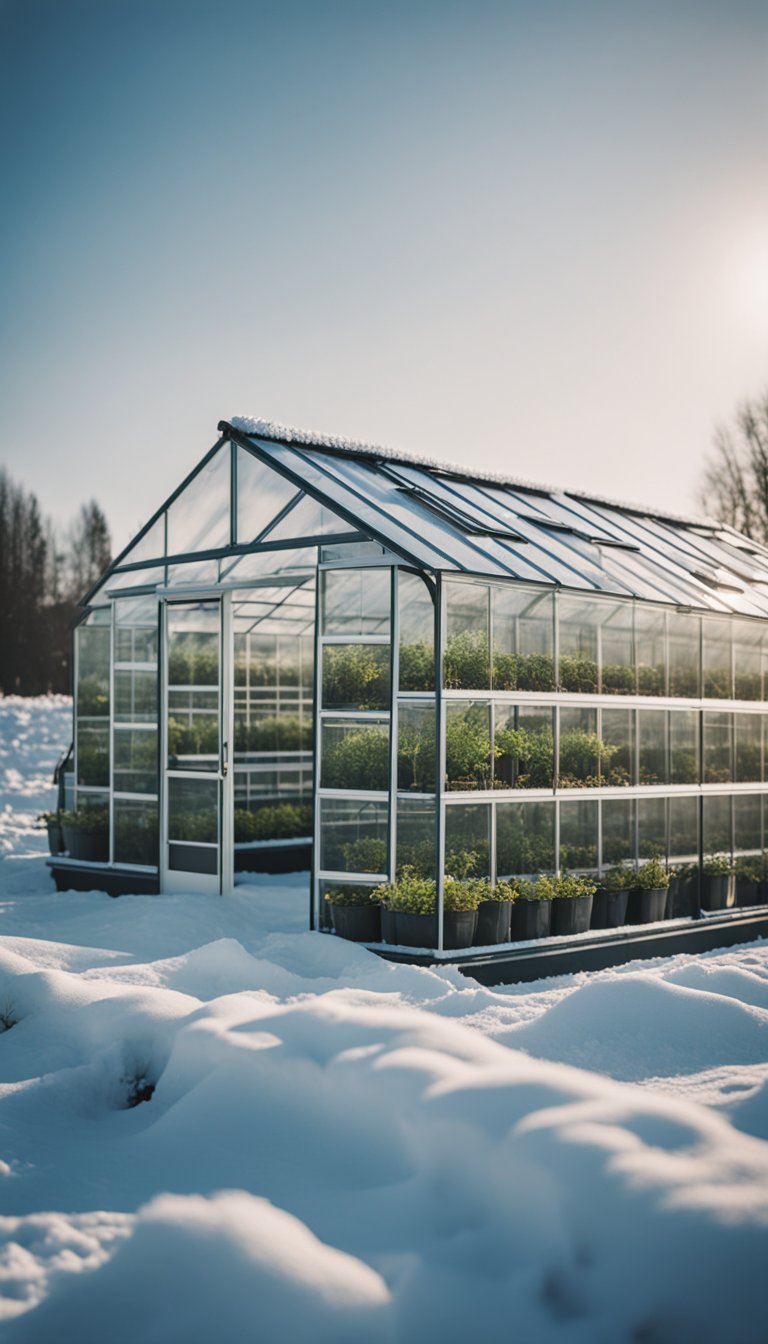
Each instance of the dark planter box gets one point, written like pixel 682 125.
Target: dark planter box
pixel 647 907
pixel 388 925
pixel 358 923
pixel 459 928
pixel 683 898
pixel 92 846
pixel 571 914
pixel 55 837
pixel 746 891
pixel 493 923
pixel 609 909
pixel 762 893
pixel 718 891
pixel 530 919
pixel 414 930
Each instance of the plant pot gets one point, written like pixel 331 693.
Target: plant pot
pixel 647 907
pixel 609 909
pixel 55 837
pixel 459 928
pixel 746 891
pixel 415 930
pixel 530 919
pixel 762 893
pixel 493 922
pixel 358 923
pixel 718 891
pixel 683 898
pixel 571 914
pixel 92 846
pixel 388 924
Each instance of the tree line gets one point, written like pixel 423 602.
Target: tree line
pixel 735 482
pixel 42 577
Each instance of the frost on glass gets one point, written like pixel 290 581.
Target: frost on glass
pixel 354 836
pixel 579 623
pixel 467 654
pixel 468 840
pixel 652 728
pixel 748 748
pixel 578 834
pixel 618 831
pixel 356 601
pixel 416 835
pixel 684 654
pixel 355 754
pixel 468 745
pixel 651 646
pixel 617 650
pixel 748 655
pixel 652 828
pixel 198 519
pixel 716 659
pixel 525 838
pixel 717 837
pixel 417 633
pixel 523 639
pixel 524 746
pixel 261 495
pixel 416 761
pixel 581 750
pixel 717 733
pixel 683 728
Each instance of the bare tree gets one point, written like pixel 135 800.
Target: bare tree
pixel 735 483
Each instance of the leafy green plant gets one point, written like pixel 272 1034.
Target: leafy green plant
pixel 356 676
pixel 411 893
pixel 618 878
pixel 90 820
pixel 749 686
pixel 569 887
pixel 356 759
pixel 464 895
pixel 524 757
pixel 577 673
pixel 282 821
pixel 651 876
pixel 749 870
pixel 467 748
pixel 543 889
pixel 717 865
pixel 583 758
pixel 466 661
pixel 618 679
pixel 366 855
pixel 416 752
pixel 353 895
pixel 522 671
pixel 650 680
pixel 417 666
pixel 136 836
pixel 48 819
pixel 93 697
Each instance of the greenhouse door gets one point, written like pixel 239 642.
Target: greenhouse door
pixel 195 749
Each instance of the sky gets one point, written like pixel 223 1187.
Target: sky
pixel 531 238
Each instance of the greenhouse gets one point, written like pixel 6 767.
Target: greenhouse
pixel 470 705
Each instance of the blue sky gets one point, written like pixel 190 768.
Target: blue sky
pixel 530 237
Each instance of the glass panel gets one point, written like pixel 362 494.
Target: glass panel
pixel 651 645
pixel 193 644
pixel 580 748
pixel 747 660
pixel 135 696
pixel 354 836
pixel 193 730
pixel 195 573
pixel 308 519
pixel 355 755
pixel 684 654
pixel 748 745
pixel 136 630
pixel 579 622
pixel 718 743
pixel 523 639
pixel 747 823
pixel 617 651
pixel 618 737
pixel 652 828
pixel 356 601
pixel 261 495
pixel 135 831
pixel 93 752
pixel 684 830
pixel 260 564
pixel 468 745
pixel 416 763
pixel 417 633
pixel 466 659
pixel 135 764
pixel 193 810
pixel 684 746
pixel 198 520
pixel 716 659
pixel 416 835
pixel 356 676
pixel 652 728
pixel 524 747
pixel 150 547
pixel 468 840
pixel 618 817
pixel 525 838
pixel 93 644
pixel 717 824
pixel 193 695
pixel 578 834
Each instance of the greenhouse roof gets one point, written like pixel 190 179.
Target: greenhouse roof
pixel 444 517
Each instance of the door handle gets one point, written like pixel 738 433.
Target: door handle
pixel 224 758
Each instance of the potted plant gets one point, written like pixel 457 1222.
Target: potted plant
pixel 648 893
pixel 609 905
pixel 718 885
pixel 683 894
pixel 749 875
pixel 532 909
pixel 571 903
pixel 461 899
pixel 52 823
pixel 86 833
pixel 494 913
pixel 355 913
pixel 408 909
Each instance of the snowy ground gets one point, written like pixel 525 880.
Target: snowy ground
pixel 339 1149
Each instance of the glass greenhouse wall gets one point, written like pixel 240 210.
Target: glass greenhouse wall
pixel 310 655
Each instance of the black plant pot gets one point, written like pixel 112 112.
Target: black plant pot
pixel 459 927
pixel 609 909
pixel 746 891
pixel 530 919
pixel 647 907
pixel 55 837
pixel 762 893
pixel 358 923
pixel 493 922
pixel 388 924
pixel 683 897
pixel 571 914
pixel 92 846
pixel 415 930
pixel 718 891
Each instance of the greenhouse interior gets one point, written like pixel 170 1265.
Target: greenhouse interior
pixel 480 712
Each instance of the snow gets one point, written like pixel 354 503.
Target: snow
pixel 341 1149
